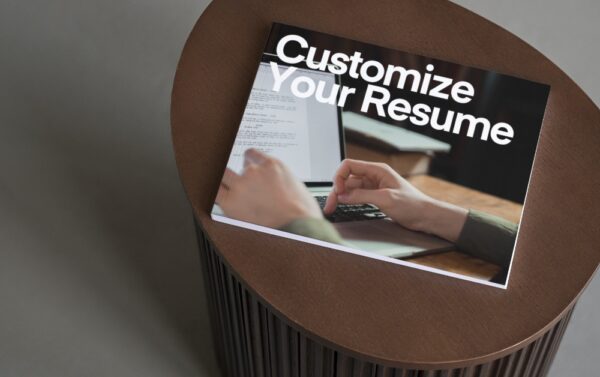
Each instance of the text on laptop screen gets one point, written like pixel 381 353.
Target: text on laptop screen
pixel 302 132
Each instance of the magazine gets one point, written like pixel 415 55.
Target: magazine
pixel 368 150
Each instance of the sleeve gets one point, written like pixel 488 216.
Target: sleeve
pixel 488 237
pixel 320 229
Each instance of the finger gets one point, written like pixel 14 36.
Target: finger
pixel 370 170
pixel 368 183
pixel 253 155
pixel 247 162
pixel 361 196
pixel 222 195
pixel 229 178
pixel 330 203
pixel 354 182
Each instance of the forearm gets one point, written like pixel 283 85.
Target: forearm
pixel 482 235
pixel 489 238
pixel 442 219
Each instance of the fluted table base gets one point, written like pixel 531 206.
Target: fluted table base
pixel 251 340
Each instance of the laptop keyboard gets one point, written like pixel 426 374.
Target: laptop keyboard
pixel 351 212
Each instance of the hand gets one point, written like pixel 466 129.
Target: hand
pixel 359 182
pixel 266 193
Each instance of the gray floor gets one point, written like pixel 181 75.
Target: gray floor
pixel 98 268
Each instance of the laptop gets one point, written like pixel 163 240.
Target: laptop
pixel 308 136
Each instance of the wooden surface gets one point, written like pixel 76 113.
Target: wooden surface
pixel 405 163
pixel 455 261
pixel 367 308
pixel 460 263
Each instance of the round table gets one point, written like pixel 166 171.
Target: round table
pixel 285 308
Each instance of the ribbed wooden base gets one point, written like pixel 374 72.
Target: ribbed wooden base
pixel 253 341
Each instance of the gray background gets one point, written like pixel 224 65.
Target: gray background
pixel 98 268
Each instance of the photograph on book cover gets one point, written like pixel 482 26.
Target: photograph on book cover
pixel 403 158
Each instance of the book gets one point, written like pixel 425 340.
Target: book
pixel 407 159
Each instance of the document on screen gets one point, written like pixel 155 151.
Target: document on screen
pixel 275 123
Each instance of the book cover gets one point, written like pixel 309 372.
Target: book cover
pixel 404 158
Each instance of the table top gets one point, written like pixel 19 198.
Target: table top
pixel 380 311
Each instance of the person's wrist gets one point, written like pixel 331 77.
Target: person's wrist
pixel 443 219
pixel 428 211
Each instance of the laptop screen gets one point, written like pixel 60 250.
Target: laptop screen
pixel 305 134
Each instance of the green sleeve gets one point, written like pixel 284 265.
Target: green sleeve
pixel 488 237
pixel 320 229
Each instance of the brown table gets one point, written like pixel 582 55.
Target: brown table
pixel 285 308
